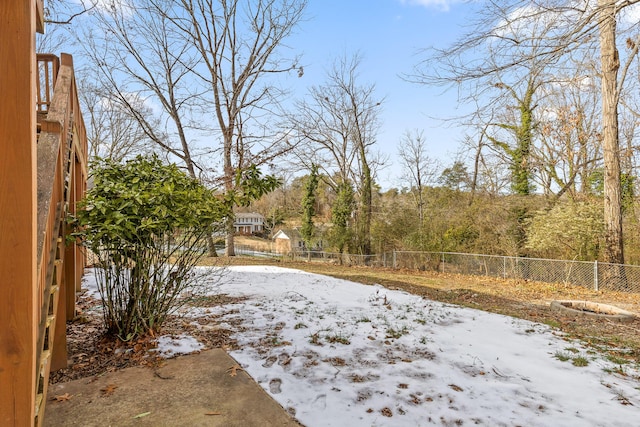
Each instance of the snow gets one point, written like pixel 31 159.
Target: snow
pixel 336 353
pixel 90 283
pixel 170 346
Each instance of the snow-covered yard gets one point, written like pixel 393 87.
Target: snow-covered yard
pixel 338 353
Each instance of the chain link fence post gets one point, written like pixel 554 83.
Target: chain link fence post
pixel 595 275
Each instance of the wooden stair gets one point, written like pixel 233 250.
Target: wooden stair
pixel 47 327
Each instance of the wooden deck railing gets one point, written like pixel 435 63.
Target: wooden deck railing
pixel 48 67
pixel 62 172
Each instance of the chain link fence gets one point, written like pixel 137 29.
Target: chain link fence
pixel 589 274
pixel 378 260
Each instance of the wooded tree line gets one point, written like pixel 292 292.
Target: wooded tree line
pixel 549 165
pixel 455 220
pixel 533 69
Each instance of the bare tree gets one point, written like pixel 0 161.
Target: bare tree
pixel 610 98
pixel 141 59
pixel 112 132
pixel 205 68
pixel 364 110
pixel 554 28
pixel 339 122
pixel 237 44
pixel 63 12
pixel 418 167
pixel 58 17
pixel 569 148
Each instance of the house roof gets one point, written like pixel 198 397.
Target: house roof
pixel 287 233
pixel 249 215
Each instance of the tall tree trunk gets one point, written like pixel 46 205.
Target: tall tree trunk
pixel 476 166
pixel 229 172
pixel 524 136
pixel 366 201
pixel 229 249
pixel 610 64
pixel 211 247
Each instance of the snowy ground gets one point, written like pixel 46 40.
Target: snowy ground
pixel 338 353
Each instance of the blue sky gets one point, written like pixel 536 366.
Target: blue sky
pixel 388 34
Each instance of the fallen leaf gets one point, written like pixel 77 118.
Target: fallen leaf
pixel 455 387
pixel 108 390
pixel 62 397
pixel 233 371
pixel 285 362
pixel 213 413
pixel 386 412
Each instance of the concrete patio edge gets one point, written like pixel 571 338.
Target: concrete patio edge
pixel 193 390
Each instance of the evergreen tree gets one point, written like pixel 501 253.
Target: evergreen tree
pixel 340 215
pixel 309 207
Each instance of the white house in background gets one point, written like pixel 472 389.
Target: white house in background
pixel 248 223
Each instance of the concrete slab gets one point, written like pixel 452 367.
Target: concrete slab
pixel 192 390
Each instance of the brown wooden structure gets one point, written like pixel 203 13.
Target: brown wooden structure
pixel 43 151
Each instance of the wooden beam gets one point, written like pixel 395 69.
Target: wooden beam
pixel 59 351
pixel 70 260
pixel 18 187
pixel 40 16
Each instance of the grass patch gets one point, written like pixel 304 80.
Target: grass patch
pixel 617 359
pixel 617 370
pixel 565 356
pixel 214 300
pixel 553 323
pixel 337 338
pixel 580 361
pixel 396 333
pixel 315 339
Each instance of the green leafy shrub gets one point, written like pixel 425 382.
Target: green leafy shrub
pixel 147 224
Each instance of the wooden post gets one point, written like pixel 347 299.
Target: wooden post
pixel 18 224
pixel 70 258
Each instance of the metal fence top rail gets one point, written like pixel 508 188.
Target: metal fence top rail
pixel 513 257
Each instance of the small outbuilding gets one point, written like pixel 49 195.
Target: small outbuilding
pixel 288 240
